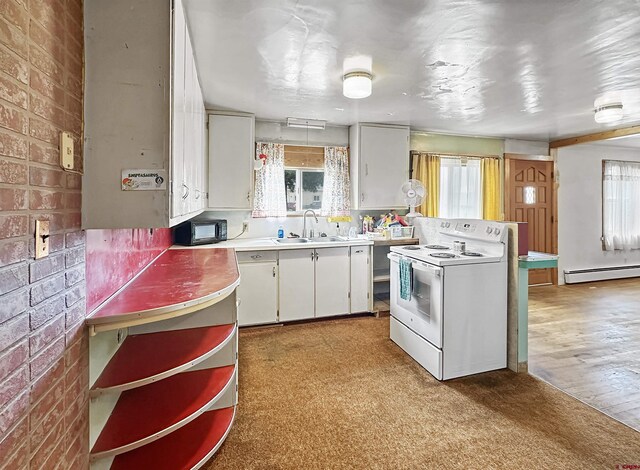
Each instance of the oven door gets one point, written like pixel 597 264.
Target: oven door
pixel 422 313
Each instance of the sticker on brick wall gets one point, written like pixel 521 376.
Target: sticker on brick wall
pixel 144 180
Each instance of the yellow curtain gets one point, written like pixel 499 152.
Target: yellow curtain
pixel 491 204
pixel 426 169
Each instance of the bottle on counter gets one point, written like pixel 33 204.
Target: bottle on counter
pixel 281 232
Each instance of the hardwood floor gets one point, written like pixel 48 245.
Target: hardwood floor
pixel 585 340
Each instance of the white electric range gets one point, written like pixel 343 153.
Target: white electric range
pixel 454 322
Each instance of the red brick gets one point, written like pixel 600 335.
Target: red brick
pixel 46 177
pixel 74 332
pixel 14 440
pixel 72 200
pixel 13 38
pixel 44 336
pixel 76 351
pixel 18 460
pixel 14 14
pixel 74 276
pixel 46 200
pixel 74 85
pixel 74 47
pixel 47 110
pixel 77 371
pixel 43 62
pixel 74 181
pixel 13 330
pixel 45 311
pixel 48 40
pixel 75 314
pixel 74 256
pixel 43 153
pixel 44 131
pixel 73 124
pixel 13 93
pixel 12 251
pixel 39 431
pixel 74 13
pixel 47 381
pixel 13 65
pixel 46 358
pixel 13 146
pixel 51 447
pixel 73 221
pixel 13 277
pixel 13 385
pixel 74 446
pixel 74 239
pixel 13 199
pixel 77 405
pixel 46 288
pixel 47 12
pixel 13 226
pixel 13 412
pixel 12 172
pixel 13 358
pixel 13 304
pixel 47 87
pixel 13 119
pixel 46 267
pixel 56 221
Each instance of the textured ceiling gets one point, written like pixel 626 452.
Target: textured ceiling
pixel 507 68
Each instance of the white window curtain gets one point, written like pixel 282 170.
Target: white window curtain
pixel 269 199
pixel 460 188
pixel 621 208
pixel 336 192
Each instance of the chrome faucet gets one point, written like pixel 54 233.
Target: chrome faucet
pixel 304 222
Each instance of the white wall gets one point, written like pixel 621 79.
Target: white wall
pixel 274 131
pixel 580 208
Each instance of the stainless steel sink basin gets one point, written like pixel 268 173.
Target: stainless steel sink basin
pixel 292 240
pixel 325 239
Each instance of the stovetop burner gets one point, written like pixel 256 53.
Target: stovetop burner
pixel 411 247
pixel 437 247
pixel 442 255
pixel 472 253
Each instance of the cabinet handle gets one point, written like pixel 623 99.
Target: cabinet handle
pixel 186 193
pixel 359 251
pixel 248 195
pixel 256 256
pixel 312 255
pixel 366 169
pixel 316 256
pixel 362 197
pixel 197 194
pixel 274 271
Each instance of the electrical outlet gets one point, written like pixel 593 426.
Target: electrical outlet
pixel 245 226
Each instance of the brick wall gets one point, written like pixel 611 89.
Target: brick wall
pixel 43 345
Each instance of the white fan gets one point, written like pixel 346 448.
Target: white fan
pixel 414 193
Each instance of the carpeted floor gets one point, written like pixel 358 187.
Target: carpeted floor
pixel 340 394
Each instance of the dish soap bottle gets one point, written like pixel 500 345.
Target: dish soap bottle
pixel 281 232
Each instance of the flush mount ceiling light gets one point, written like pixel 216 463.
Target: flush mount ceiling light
pixel 306 123
pixel 608 113
pixel 357 85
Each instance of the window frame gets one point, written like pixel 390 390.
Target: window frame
pixel 299 210
pixel 602 197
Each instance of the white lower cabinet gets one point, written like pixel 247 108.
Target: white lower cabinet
pixel 360 279
pixel 297 284
pixel 332 281
pixel 257 294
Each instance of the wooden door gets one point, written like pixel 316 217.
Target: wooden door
pixel 530 199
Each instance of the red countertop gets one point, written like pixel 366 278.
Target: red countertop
pixel 176 280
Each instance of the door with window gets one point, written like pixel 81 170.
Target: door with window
pixel 530 192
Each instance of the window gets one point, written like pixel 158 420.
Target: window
pixel 460 188
pixel 304 188
pixel 620 205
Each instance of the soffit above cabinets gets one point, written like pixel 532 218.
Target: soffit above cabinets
pixel 518 69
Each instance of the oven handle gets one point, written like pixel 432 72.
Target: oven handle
pixel 435 270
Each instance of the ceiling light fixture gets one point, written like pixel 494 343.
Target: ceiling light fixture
pixel 306 123
pixel 357 85
pixel 608 113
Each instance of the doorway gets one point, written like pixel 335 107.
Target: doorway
pixel 530 197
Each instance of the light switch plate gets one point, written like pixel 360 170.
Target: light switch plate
pixel 66 151
pixel 42 238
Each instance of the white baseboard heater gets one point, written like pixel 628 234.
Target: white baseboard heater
pixel 575 276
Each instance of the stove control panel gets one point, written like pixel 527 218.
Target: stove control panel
pixel 471 228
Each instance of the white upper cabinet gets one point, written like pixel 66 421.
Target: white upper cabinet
pixel 379 165
pixel 231 155
pixel 143 111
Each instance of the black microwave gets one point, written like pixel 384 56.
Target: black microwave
pixel 200 232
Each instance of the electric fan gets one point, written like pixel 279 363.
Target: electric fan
pixel 414 193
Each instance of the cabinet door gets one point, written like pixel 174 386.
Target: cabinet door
pixel 332 281
pixel 178 113
pixel 257 294
pixel 360 279
pixel 296 282
pixel 231 149
pixel 384 166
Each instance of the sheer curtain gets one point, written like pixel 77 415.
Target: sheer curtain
pixel 269 199
pixel 621 205
pixel 460 188
pixel 336 196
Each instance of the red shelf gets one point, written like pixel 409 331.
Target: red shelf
pixel 177 280
pixel 145 414
pixel 188 447
pixel 145 358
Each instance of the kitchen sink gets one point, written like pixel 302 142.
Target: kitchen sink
pixel 292 240
pixel 325 239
